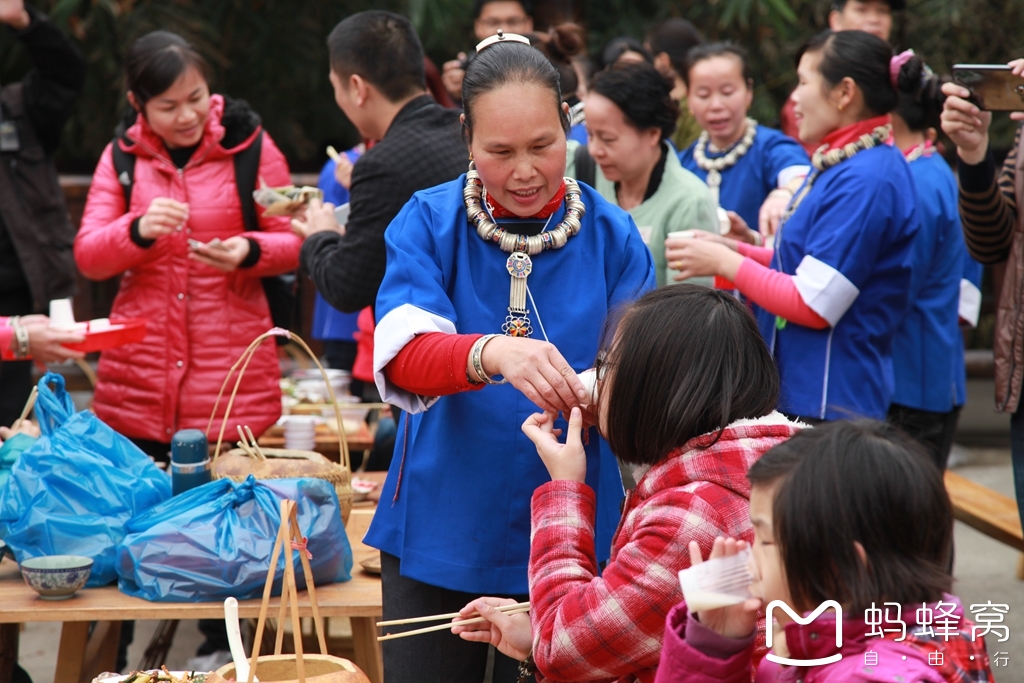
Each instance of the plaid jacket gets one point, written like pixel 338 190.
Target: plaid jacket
pixel 610 627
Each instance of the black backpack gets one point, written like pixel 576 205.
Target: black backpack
pixel 281 290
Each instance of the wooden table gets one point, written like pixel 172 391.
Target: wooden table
pixel 358 599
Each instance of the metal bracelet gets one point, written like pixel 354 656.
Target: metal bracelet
pixel 477 359
pixel 21 338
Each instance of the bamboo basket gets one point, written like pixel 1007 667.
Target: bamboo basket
pixel 281 463
pixel 298 667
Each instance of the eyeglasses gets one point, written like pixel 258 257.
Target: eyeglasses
pixel 601 365
pixel 504 23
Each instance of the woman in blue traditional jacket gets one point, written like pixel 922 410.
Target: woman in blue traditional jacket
pixel 928 355
pixel 497 291
pixel 836 287
pixel 752 170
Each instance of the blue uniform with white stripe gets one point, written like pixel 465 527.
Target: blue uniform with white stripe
pixel 463 470
pixel 928 347
pixel 849 247
pixel 772 160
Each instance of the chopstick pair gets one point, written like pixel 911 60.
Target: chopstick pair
pixel 518 608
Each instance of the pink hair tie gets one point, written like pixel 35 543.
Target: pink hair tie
pixel 896 65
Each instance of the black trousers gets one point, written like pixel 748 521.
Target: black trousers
pixel 438 657
pixel 934 431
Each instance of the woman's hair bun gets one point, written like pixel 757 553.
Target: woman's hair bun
pixel 565 41
pixel 920 95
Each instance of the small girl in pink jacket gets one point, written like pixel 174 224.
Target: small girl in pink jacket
pixel 853 532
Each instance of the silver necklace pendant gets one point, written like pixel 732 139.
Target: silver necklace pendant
pixel 517 324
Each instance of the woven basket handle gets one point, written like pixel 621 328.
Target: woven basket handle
pixel 289 538
pixel 243 362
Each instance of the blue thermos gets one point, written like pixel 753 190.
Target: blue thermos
pixel 190 460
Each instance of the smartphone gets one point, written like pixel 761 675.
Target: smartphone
pixel 341 213
pixel 215 243
pixel 993 86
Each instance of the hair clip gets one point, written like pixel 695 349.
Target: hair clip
pixel 501 37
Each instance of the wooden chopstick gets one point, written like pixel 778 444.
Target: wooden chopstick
pixel 442 627
pixel 27 409
pixel 449 616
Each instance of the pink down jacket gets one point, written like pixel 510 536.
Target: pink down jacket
pixel 200 319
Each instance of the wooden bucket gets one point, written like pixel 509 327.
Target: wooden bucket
pixel 284 669
pixel 282 463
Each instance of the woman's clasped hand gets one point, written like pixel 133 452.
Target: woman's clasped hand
pixel 163 217
pixel 701 255
pixel 537 369
pixel 509 633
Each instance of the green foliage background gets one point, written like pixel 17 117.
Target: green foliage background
pixel 272 52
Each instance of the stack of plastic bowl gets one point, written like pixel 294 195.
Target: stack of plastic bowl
pixel 300 433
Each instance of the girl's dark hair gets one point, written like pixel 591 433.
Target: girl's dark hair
pixel 711 50
pixel 616 47
pixel 863 482
pixel 156 60
pixel 921 98
pixel 675 37
pixel 560 44
pixel 643 95
pixel 860 56
pixel 507 63
pixel 687 361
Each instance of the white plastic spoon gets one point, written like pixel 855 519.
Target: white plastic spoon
pixel 235 641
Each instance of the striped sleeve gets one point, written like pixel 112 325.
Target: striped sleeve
pixel 988 206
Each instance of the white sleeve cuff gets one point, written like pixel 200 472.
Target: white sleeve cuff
pixel 393 332
pixel 787 174
pixel 970 303
pixel 824 289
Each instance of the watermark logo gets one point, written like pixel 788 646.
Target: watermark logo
pixel 786 661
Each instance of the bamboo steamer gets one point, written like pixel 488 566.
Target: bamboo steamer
pixel 282 463
pixel 284 669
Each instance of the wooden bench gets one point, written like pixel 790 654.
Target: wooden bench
pixel 991 513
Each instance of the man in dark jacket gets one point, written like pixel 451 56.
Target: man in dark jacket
pixel 377 74
pixel 36 236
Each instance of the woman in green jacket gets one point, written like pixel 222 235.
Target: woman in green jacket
pixel 630 113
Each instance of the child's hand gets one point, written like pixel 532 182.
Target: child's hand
pixel 734 621
pixel 564 461
pixel 510 633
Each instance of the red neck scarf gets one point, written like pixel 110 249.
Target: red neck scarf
pixel 499 211
pixel 844 136
pixel 926 147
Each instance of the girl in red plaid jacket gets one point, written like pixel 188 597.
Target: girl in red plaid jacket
pixel 686 395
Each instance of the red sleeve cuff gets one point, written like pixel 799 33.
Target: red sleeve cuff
pixel 776 293
pixel 6 339
pixel 433 364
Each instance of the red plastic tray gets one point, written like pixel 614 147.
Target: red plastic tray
pixel 131 330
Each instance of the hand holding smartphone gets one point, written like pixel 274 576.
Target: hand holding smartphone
pixel 215 244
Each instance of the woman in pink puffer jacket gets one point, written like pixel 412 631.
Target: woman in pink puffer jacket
pixel 205 304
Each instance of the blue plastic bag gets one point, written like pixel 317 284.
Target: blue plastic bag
pixel 72 492
pixel 215 541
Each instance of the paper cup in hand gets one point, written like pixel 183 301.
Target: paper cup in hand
pixel 720 582
pixel 681 234
pixel 589 380
pixel 724 224
pixel 61 314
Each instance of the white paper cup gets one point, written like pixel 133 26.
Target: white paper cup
pixel 681 234
pixel 589 380
pixel 724 224
pixel 62 316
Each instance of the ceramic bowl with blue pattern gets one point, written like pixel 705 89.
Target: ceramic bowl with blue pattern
pixel 56 577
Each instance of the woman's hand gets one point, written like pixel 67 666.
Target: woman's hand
pixel 452 74
pixel 45 342
pixel 772 210
pixel 317 217
pixel 163 217
pixel 224 256
pixel 701 257
pixel 537 369
pixel 510 633
pixel 965 124
pixel 343 171
pixel 734 621
pixel 27 427
pixel 738 229
pixel 566 461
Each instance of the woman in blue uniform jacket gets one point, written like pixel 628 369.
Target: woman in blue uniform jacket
pixel 497 290
pixel 928 348
pixel 833 292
